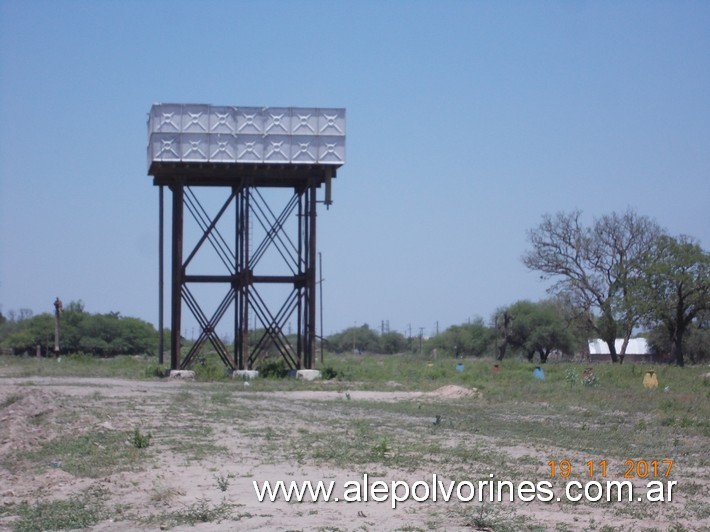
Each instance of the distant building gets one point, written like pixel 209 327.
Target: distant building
pixel 636 351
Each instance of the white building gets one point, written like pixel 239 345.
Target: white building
pixel 637 350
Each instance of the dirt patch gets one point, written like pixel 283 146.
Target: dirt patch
pixel 26 418
pixel 210 444
pixel 453 391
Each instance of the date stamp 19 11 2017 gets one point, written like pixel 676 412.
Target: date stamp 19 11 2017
pixel 600 468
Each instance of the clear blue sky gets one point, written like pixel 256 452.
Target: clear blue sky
pixel 466 122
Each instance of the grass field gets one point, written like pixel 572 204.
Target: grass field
pixel 106 444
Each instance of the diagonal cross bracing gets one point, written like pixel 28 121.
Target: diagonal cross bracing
pixel 209 229
pixel 273 328
pixel 274 231
pixel 207 327
pixel 208 232
pixel 291 233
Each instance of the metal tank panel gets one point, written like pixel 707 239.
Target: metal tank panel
pixel 331 122
pixel 165 147
pixel 195 119
pixel 179 133
pixel 194 147
pixel 249 121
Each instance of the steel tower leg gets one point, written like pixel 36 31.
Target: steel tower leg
pixel 311 279
pixel 177 276
pixel 161 284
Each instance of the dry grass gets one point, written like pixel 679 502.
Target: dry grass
pixel 210 440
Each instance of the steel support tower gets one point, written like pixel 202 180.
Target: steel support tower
pixel 243 151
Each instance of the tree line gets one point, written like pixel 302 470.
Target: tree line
pixel 618 276
pixel 81 332
pixel 621 275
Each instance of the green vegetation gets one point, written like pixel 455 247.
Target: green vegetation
pixel 199 512
pixel 675 294
pixel 365 340
pixel 90 455
pixel 140 440
pixel 80 511
pixel 81 332
pixel 82 365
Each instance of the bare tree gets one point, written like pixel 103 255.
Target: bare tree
pixel 596 267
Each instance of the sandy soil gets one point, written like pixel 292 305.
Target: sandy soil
pixel 37 410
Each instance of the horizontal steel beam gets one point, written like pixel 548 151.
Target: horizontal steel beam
pixel 236 279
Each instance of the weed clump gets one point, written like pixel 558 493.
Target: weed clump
pixel 140 440
pixel 210 368
pixel 588 377
pixel 199 512
pixel 223 481
pixel 328 373
pixel 382 449
pixel 274 369
pixel 154 370
pixel 81 511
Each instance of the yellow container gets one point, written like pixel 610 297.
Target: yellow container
pixel 650 380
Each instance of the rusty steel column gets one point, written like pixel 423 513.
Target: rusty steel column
pixel 177 276
pixel 300 287
pixel 311 278
pixel 238 298
pixel 161 284
pixel 243 279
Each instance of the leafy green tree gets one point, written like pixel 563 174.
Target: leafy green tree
pixel 696 340
pixel 359 339
pixel 20 341
pixel 596 267
pixel 7 327
pixel 72 326
pixel 538 328
pixel 31 332
pixel 469 339
pixel 75 306
pixel 502 326
pixel 99 334
pixel 393 342
pixel 675 289
pixel 696 343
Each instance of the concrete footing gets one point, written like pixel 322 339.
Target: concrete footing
pixel 246 374
pixel 184 374
pixel 308 374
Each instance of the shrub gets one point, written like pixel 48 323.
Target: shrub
pixel 328 373
pixel 210 367
pixel 274 369
pixel 140 440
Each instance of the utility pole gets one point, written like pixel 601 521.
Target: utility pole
pixel 58 308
